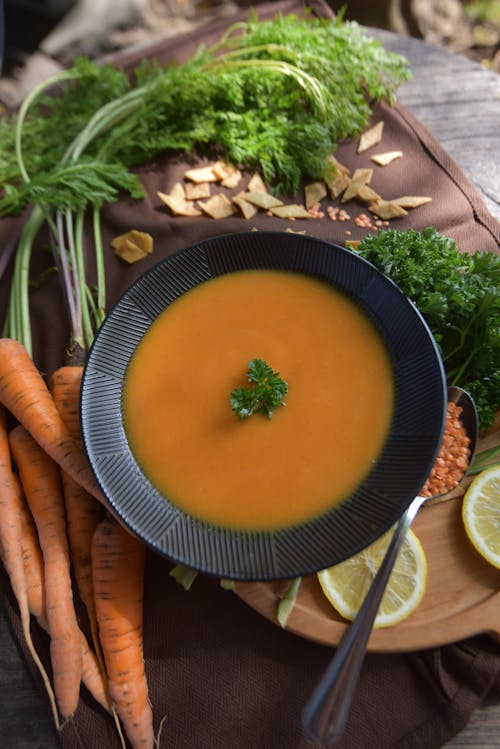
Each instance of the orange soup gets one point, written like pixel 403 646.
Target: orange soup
pixel 258 473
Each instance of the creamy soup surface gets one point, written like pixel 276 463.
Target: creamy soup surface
pixel 258 473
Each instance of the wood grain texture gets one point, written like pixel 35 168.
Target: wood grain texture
pixel 459 103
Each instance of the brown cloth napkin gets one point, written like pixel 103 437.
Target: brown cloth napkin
pixel 224 677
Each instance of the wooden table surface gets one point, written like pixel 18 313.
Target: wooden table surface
pixel 459 102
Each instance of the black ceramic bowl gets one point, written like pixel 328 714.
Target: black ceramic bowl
pixel 396 477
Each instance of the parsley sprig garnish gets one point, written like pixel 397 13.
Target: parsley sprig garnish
pixel 264 393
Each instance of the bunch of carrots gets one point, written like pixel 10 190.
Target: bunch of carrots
pixel 53 528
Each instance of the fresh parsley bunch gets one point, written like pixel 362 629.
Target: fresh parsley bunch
pixel 459 296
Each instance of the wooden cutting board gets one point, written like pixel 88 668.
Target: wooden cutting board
pixel 462 596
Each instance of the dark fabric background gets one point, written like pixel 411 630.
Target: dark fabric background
pixel 222 675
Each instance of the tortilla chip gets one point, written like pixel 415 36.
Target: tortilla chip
pixel 248 209
pixel 314 192
pixel 177 202
pixel 353 244
pixel 262 199
pixel 386 209
pixel 197 190
pixel 290 211
pixel 202 174
pixel 256 184
pixel 133 245
pixel 411 201
pixel 218 206
pixel 383 159
pixel 370 137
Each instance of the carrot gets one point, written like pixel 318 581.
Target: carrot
pixel 92 675
pixel 10 546
pixel 118 560
pixel 40 479
pixel 24 393
pixel 82 509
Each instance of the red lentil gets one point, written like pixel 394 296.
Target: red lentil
pixel 453 457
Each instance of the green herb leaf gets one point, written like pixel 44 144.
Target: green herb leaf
pixel 265 392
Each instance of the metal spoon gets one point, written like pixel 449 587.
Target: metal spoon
pixel 325 714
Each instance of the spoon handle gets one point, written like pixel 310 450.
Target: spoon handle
pixel 325 714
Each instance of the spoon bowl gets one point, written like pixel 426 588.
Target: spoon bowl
pixel 325 714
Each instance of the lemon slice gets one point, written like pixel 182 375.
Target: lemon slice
pixel 346 584
pixel 481 514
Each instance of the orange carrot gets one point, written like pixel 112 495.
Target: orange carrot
pixel 40 479
pixel 118 570
pixel 10 548
pixel 82 509
pixel 24 393
pixel 92 675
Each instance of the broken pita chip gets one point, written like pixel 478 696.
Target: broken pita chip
pixel 360 177
pixel 202 174
pixel 256 184
pixel 218 206
pixel 314 192
pixel 177 202
pixel 197 190
pixel 232 180
pixel 248 209
pixel 133 245
pixel 337 183
pixel 228 174
pixel 367 195
pixel 411 201
pixel 262 199
pixel 338 166
pixel 370 137
pixel 386 209
pixel 292 231
pixel 383 159
pixel 290 211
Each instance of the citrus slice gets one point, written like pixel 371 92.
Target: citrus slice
pixel 346 584
pixel 481 514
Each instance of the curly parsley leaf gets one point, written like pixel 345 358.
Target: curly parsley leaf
pixel 264 393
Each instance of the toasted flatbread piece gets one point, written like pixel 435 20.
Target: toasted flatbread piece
pixel 314 192
pixel 338 166
pixel 411 201
pixel 360 177
pixel 256 184
pixel 367 194
pixel 248 209
pixel 229 175
pixel 371 137
pixel 197 190
pixel 176 201
pixel 202 174
pixel 387 209
pixel 337 183
pixel 133 245
pixel 262 199
pixel 383 159
pixel 290 211
pixel 218 206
